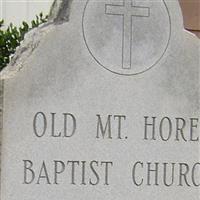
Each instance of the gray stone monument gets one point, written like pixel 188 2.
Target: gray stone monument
pixel 102 102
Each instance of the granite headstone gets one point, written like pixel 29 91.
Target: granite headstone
pixel 102 102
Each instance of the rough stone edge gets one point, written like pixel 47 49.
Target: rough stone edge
pixel 24 51
pixel 60 11
pixel 59 14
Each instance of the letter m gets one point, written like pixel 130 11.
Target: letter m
pixel 104 130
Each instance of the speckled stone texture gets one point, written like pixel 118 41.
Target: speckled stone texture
pixel 90 94
pixel 1 115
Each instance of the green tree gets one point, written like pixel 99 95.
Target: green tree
pixel 11 37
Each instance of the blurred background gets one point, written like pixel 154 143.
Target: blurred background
pixel 16 11
pixel 191 15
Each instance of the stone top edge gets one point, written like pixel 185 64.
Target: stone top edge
pixel 59 14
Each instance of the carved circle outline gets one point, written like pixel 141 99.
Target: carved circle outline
pixel 133 74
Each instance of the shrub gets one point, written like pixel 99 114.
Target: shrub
pixel 11 37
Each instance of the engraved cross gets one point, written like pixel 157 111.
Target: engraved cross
pixel 127 10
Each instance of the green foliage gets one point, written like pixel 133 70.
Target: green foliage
pixel 11 37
